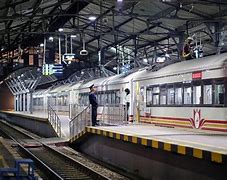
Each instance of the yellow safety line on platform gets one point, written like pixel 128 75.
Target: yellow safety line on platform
pixel 167 146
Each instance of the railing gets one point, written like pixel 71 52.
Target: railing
pixel 113 115
pixel 80 121
pixel 75 109
pixel 54 120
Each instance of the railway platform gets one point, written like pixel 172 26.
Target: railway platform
pixel 42 123
pixel 149 150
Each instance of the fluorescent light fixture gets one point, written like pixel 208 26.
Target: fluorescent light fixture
pixel 145 60
pixel 41 45
pixel 119 0
pixel 51 38
pixel 60 29
pixel 114 68
pixel 167 55
pixel 73 36
pixel 92 18
pixel 160 59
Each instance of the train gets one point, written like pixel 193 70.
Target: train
pixel 188 94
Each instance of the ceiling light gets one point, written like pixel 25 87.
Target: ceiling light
pixel 119 0
pixel 60 30
pixel 114 68
pixel 167 55
pixel 92 18
pixel 73 36
pixel 145 60
pixel 51 38
pixel 41 45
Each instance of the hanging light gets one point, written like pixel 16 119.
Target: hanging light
pixel 51 38
pixel 92 18
pixel 60 29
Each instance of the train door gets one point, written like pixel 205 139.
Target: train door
pixel 136 101
pixel 142 100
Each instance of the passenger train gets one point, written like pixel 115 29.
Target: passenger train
pixel 187 94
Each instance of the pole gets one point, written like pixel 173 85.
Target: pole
pixel 59 48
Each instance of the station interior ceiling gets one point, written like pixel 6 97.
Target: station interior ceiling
pixel 134 32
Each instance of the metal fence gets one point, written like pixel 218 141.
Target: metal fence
pixel 107 115
pixel 75 109
pixel 54 120
pixel 112 115
pixel 80 121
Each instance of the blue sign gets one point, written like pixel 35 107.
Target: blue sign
pixel 58 70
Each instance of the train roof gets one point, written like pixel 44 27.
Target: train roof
pixel 62 88
pixel 201 64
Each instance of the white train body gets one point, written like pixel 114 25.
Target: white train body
pixel 189 94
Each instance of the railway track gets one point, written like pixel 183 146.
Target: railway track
pixel 55 164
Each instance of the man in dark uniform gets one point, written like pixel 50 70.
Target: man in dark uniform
pixel 94 105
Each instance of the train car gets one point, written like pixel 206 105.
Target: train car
pixel 110 96
pixel 59 97
pixel 188 94
pixel 40 98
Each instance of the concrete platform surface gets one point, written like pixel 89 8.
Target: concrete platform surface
pixel 210 141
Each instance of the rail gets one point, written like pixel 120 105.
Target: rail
pixel 80 121
pixel 112 115
pixel 54 120
pixel 75 109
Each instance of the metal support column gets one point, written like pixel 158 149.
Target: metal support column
pixel 24 102
pixel 28 102
pixel 17 102
pixel 31 103
pixel 20 102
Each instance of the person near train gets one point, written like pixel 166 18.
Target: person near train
pixel 94 105
pixel 188 49
pixel 127 102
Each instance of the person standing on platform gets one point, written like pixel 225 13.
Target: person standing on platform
pixel 188 49
pixel 127 101
pixel 94 105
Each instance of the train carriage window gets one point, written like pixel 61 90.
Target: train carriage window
pixel 170 96
pixel 187 95
pixel 149 96
pixel 207 94
pixel 110 97
pixel 117 97
pixel 178 95
pixel 113 97
pixel 197 94
pixel 219 91
pixel 102 98
pixel 163 95
pixel 155 95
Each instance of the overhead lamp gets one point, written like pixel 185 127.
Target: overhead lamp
pixel 51 38
pixel 167 55
pixel 119 0
pixel 92 18
pixel 2 49
pixel 115 68
pixel 41 45
pixel 60 29
pixel 73 36
pixel 145 60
